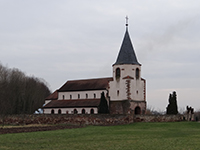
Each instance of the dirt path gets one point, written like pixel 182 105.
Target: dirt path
pixel 34 129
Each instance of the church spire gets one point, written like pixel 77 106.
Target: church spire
pixel 126 54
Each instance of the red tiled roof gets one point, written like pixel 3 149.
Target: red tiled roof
pixel 53 96
pixel 73 103
pixel 87 84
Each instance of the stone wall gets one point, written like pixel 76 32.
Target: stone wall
pixel 116 107
pixel 127 107
pixel 86 119
pixel 158 118
pixel 67 119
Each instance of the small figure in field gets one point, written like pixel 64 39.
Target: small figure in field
pixel 190 113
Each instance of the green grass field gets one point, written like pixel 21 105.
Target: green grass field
pixel 138 136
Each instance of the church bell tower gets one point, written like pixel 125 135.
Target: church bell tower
pixel 127 90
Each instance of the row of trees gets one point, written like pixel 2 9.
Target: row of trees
pixel 20 94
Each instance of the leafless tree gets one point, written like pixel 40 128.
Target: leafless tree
pixel 20 94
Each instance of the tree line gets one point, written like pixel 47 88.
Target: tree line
pixel 20 94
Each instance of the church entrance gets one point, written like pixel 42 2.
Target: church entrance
pixel 137 110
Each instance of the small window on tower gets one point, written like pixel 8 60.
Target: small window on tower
pixel 78 96
pixel 117 92
pixel 137 73
pixel 70 96
pixel 117 73
pixel 86 96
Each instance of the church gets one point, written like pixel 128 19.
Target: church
pixel 125 91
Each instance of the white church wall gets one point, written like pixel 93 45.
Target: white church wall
pixel 118 87
pixel 117 90
pixel 81 94
pixel 70 110
pixel 137 90
pixel 126 70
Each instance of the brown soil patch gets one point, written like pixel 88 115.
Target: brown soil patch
pixel 35 128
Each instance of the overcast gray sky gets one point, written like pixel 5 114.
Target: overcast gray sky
pixel 60 40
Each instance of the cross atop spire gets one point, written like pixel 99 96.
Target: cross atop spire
pixel 126 21
pixel 126 54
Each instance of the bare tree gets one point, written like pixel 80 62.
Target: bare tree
pixel 20 94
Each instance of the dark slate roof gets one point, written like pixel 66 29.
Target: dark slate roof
pixel 86 85
pixel 73 103
pixel 126 54
pixel 53 96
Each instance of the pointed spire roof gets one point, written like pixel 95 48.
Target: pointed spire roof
pixel 126 54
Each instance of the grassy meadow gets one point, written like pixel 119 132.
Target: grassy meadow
pixel 139 136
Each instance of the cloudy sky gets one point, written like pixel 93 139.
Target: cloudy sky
pixel 60 40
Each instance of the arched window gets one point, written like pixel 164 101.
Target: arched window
pixel 67 112
pixel 59 111
pixel 83 111
pixel 117 92
pixel 117 73
pixel 52 111
pixel 137 73
pixel 75 111
pixel 63 96
pixel 92 111
pixel 86 95
pixel 94 95
pixel 70 96
pixel 78 96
